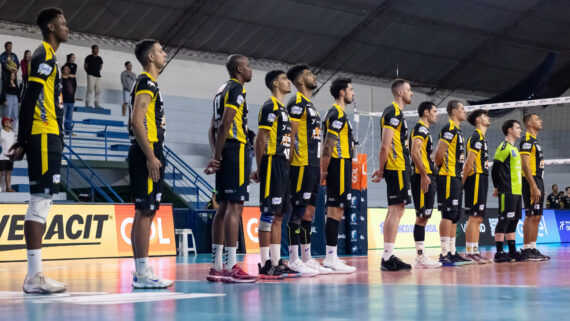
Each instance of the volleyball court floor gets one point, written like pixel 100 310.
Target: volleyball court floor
pixel 100 289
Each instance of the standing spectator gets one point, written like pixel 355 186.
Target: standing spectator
pixel 93 66
pixel 11 90
pixel 552 201
pixel 9 62
pixel 24 67
pixel 70 62
pixel 127 79
pixel 566 198
pixel 7 139
pixel 68 86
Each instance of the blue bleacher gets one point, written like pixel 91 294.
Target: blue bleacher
pixel 112 134
pixel 92 110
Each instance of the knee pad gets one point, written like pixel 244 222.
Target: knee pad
pixel 265 221
pixel 297 215
pixel 448 215
pixel 512 227
pixel 502 226
pixel 39 207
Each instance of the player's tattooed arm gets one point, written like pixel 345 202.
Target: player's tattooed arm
pixel 330 140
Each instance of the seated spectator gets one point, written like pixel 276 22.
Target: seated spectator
pixel 24 67
pixel 7 139
pixel 552 201
pixel 566 198
pixel 70 62
pixel 68 87
pixel 11 109
pixel 128 77
pixel 93 65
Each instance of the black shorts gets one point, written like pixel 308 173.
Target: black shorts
pixel 232 179
pixel 6 165
pixel 305 181
pixel 274 191
pixel 44 163
pixel 147 193
pixel 339 182
pixel 530 208
pixel 449 196
pixel 423 202
pixel 476 187
pixel 398 187
pixel 510 206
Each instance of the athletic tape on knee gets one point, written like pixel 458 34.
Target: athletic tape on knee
pixel 265 221
pixel 512 227
pixel 502 226
pixel 39 207
pixel 297 215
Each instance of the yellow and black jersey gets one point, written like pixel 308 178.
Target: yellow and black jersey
pixel 454 158
pixel 273 117
pixel 48 115
pixel 421 131
pixel 337 123
pixel 477 144
pixel 308 139
pixel 154 120
pixel 393 118
pixel 232 95
pixel 530 146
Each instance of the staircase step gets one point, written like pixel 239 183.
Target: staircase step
pixel 120 147
pixel 103 122
pixel 170 176
pixel 185 190
pixel 111 134
pixel 92 110
pixel 21 188
pixel 20 171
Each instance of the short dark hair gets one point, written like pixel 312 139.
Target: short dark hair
pixel 425 105
pixel 396 84
pixel 554 185
pixel 7 43
pixel 94 46
pixel 452 105
pixel 508 125
pixel 127 62
pixel 68 57
pixel 142 49
pixel 232 64
pixel 567 188
pixel 472 118
pixel 295 71
pixel 45 17
pixel 527 117
pixel 339 84
pixel 271 76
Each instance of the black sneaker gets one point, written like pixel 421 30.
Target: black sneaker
pixel 286 271
pixel 446 260
pixel 540 255
pixel 517 256
pixel 394 264
pixel 269 272
pixel 502 257
pixel 458 259
pixel 529 255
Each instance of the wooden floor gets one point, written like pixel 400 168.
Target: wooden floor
pixel 101 290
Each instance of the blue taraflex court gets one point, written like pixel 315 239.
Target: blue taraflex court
pixel 100 289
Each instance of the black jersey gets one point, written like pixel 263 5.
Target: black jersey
pixel 308 139
pixel 422 132
pixel 477 144
pixel 530 146
pixel 454 158
pixel 274 117
pixel 553 201
pixel 393 118
pixel 232 95
pixel 154 120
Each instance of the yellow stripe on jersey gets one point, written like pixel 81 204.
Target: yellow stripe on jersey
pixel 301 158
pixel 450 162
pixel 45 118
pixel 342 173
pixel 532 155
pixel 268 176
pixel 151 129
pixel 300 179
pixel 236 128
pixel 144 91
pixel 36 79
pixel 476 196
pixel 342 148
pixel 241 164
pixel 396 158
pixel 44 151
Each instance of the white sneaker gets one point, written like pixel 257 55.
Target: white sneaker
pixel 424 262
pixel 42 285
pixel 315 265
pixel 149 280
pixel 299 266
pixel 338 266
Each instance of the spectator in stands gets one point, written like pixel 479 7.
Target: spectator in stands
pixel 7 139
pixel 24 67
pixel 128 77
pixel 566 198
pixel 70 62
pixel 68 86
pixel 11 91
pixel 93 65
pixel 9 61
pixel 553 201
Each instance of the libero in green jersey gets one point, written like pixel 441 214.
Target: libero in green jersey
pixel 507 169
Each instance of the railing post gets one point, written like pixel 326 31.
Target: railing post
pixel 105 142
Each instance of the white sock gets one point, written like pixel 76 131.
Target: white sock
pixel 444 245
pixel 275 250
pixel 388 251
pixel 420 247
pixel 469 247
pixel 452 245
pixel 34 262
pixel 264 253
pixel 533 245
pixel 217 255
pixel 475 247
pixel 141 264
pixel 293 253
pixel 306 252
pixel 526 246
pixel 231 260
pixel 331 252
